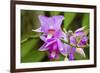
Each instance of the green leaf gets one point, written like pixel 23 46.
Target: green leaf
pixel 78 56
pixel 27 46
pixel 29 21
pixel 61 57
pixel 33 56
pixel 69 16
pixel 33 35
pixel 53 13
pixel 87 52
pixel 85 21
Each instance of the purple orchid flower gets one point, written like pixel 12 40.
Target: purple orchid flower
pixel 77 41
pixel 52 32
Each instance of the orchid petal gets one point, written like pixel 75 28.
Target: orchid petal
pixel 73 40
pixel 50 22
pixel 62 49
pixel 66 49
pixel 82 41
pixel 81 52
pixel 43 48
pixel 57 21
pixel 73 49
pixel 49 43
pixel 80 32
pixel 42 19
pixel 60 45
pixel 71 54
pixel 43 38
pixel 60 34
pixel 44 23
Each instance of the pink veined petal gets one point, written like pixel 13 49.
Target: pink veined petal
pixel 50 22
pixel 60 44
pixel 71 56
pixel 73 40
pixel 80 32
pixel 59 33
pixel 42 37
pixel 55 46
pixel 49 43
pixel 73 49
pixel 71 53
pixel 44 23
pixel 61 48
pixel 66 50
pixel 43 19
pixel 43 48
pixel 53 50
pixel 81 52
pixel 57 21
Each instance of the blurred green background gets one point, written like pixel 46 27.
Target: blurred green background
pixel 30 42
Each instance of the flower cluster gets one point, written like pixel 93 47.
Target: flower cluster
pixel 53 36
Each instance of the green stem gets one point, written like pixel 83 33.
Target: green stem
pixel 31 37
pixel 64 41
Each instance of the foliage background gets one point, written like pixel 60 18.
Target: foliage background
pixel 30 42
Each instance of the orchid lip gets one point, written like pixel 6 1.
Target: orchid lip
pixel 50 33
pixel 53 54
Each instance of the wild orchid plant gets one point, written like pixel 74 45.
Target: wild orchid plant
pixel 56 41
